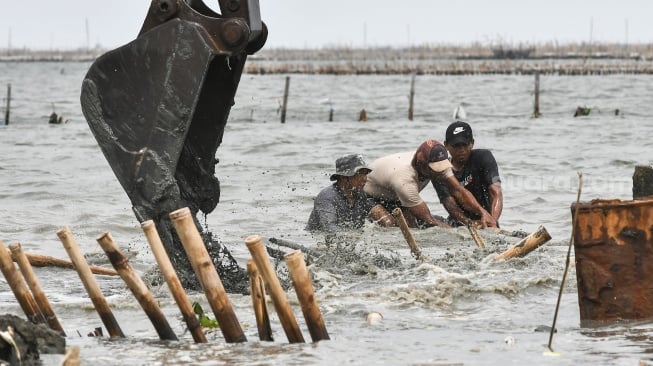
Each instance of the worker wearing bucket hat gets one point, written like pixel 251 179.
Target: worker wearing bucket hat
pixel 396 181
pixel 343 205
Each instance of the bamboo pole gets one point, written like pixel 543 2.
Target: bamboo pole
pixel 477 238
pixel 306 296
pixel 19 288
pixel 8 104
pixel 35 286
pixel 38 260
pixel 137 287
pixel 412 97
pixel 291 245
pixel 526 245
pixel 279 299
pixel 285 100
pixel 207 275
pixel 71 357
pixel 403 225
pixel 536 103
pixel 517 233
pixel 91 286
pixel 174 284
pixel 257 291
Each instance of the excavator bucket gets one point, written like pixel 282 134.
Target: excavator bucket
pixel 158 105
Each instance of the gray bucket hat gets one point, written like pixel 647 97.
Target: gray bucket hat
pixel 349 165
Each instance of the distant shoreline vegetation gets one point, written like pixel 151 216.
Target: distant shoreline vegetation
pixel 476 58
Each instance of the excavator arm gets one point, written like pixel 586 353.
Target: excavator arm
pixel 158 105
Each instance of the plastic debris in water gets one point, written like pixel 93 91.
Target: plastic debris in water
pixel 374 317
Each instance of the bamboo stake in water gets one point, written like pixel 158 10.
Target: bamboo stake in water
pixel 92 288
pixel 35 286
pixel 403 225
pixel 285 100
pixel 526 245
pixel 257 291
pixel 477 238
pixel 412 97
pixel 8 104
pixel 19 288
pixel 536 103
pixel 38 260
pixel 306 296
pixel 174 284
pixel 137 287
pixel 207 275
pixel 564 274
pixel 279 299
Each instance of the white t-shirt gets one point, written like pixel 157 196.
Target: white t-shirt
pixel 393 178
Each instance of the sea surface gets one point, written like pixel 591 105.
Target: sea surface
pixel 455 309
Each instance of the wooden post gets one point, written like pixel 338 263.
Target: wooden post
pixel 526 245
pixel 257 291
pixel 403 225
pixel 92 288
pixel 412 96
pixel 71 358
pixel 477 238
pixel 330 113
pixel 169 274
pixel 137 287
pixel 304 289
pixel 38 260
pixel 536 104
pixel 35 286
pixel 642 181
pixel 279 299
pixel 8 104
pixel 362 116
pixel 285 100
pixel 19 288
pixel 207 275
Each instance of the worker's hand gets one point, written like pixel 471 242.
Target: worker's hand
pixel 487 220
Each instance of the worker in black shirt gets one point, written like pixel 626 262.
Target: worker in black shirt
pixel 476 170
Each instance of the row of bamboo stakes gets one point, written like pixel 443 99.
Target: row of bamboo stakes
pixel 520 249
pixel 34 303
pixel 411 98
pixel 452 68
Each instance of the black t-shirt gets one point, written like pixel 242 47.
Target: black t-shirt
pixel 478 174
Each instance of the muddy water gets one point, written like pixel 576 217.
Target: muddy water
pixel 455 309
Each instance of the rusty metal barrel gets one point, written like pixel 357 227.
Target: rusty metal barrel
pixel 613 243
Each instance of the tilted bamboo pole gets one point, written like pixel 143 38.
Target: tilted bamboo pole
pixel 92 288
pixel 35 286
pixel 207 275
pixel 174 284
pixel 526 245
pixel 38 260
pixel 137 287
pixel 403 225
pixel 257 291
pixel 19 288
pixel 285 100
pixel 306 296
pixel 477 238
pixel 279 299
